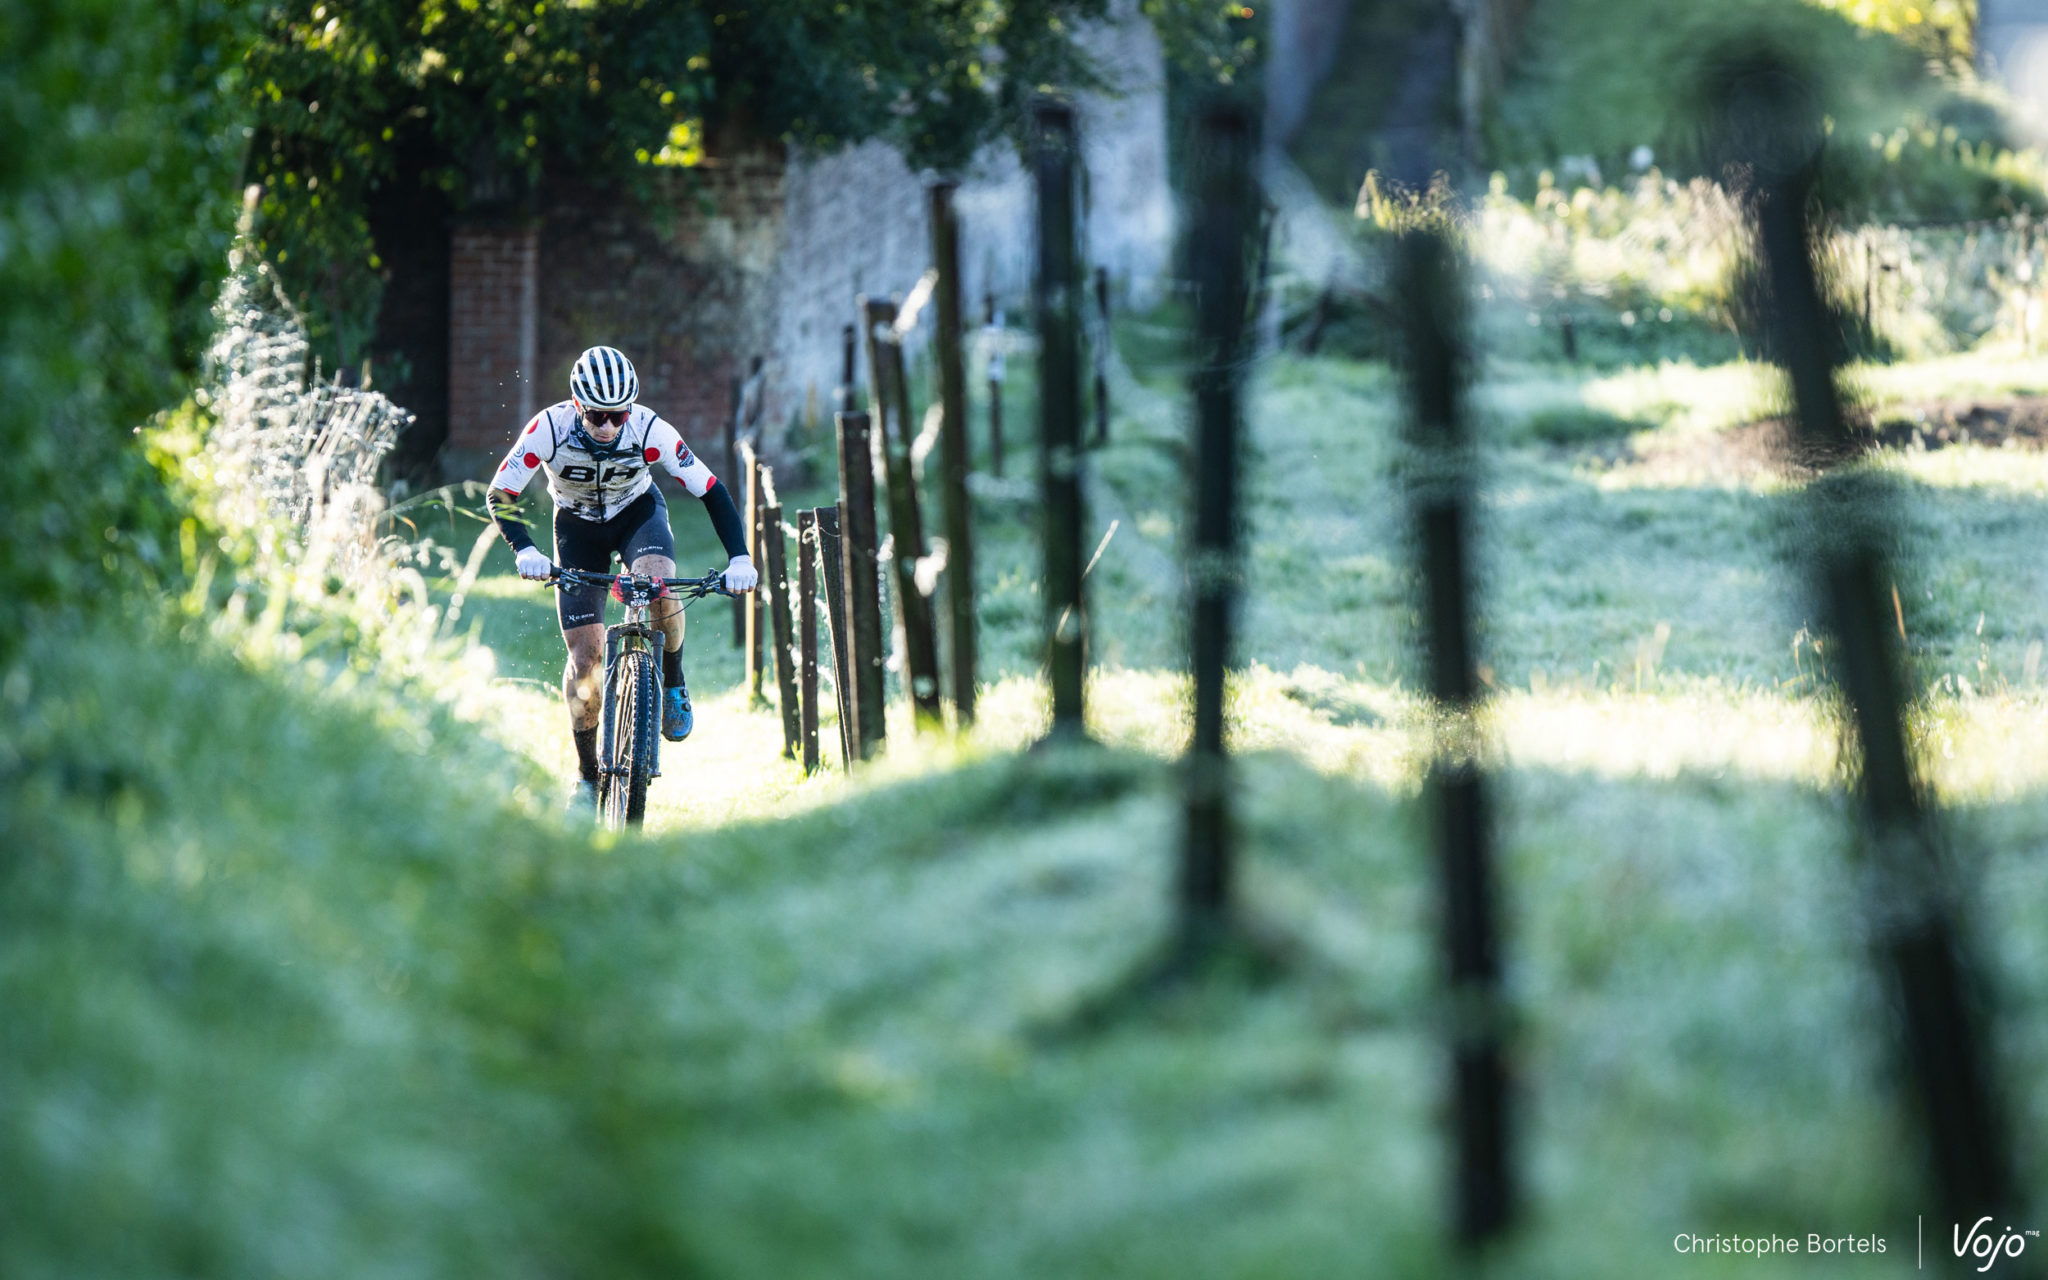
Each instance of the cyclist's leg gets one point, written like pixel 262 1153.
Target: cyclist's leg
pixel 582 544
pixel 649 547
pixel 581 674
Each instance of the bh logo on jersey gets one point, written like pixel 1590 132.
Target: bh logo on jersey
pixel 1980 1244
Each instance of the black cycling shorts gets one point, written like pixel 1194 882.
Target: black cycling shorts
pixel 640 529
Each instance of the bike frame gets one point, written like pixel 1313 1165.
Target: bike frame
pixel 636 633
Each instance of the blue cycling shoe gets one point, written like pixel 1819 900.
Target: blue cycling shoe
pixel 675 714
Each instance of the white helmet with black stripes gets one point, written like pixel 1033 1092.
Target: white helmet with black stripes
pixel 604 379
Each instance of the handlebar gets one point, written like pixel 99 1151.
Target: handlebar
pixel 687 589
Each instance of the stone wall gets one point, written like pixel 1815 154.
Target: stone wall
pixel 853 222
pixel 1303 37
pixel 2012 46
pixel 1487 34
pixel 1130 212
pixel 857 221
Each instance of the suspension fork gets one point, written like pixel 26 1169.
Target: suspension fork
pixel 635 628
pixel 605 719
pixel 652 639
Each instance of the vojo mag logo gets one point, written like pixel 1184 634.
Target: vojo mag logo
pixel 1980 1243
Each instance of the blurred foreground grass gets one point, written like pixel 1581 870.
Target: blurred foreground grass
pixel 316 981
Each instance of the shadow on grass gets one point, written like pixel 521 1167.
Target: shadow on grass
pixel 883 1038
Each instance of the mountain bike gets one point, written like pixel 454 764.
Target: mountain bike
pixel 629 729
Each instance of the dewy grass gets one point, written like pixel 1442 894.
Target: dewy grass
pixel 309 976
pixel 1669 796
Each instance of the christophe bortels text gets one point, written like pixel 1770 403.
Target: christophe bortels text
pixel 1685 1242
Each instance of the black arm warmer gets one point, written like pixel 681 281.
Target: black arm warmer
pixel 511 521
pixel 725 518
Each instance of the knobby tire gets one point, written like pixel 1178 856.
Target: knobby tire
pixel 638 709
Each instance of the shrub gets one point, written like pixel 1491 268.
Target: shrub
pixel 116 206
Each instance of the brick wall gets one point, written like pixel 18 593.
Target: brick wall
pixel 493 277
pixel 762 253
pixel 684 289
pixel 409 353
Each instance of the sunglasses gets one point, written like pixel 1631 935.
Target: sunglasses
pixel 607 417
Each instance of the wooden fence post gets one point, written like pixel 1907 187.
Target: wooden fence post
pixel 778 603
pixel 1429 299
pixel 954 450
pixel 890 393
pixel 750 613
pixel 1918 935
pixel 845 399
pixel 995 388
pixel 862 585
pixel 807 635
pixel 1056 298
pixel 1227 195
pixel 757 604
pixel 1101 354
pixel 832 563
pixel 736 476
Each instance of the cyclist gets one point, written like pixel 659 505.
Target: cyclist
pixel 599 449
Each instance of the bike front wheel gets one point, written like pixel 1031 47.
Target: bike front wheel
pixel 637 704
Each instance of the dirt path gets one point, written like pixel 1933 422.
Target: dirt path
pixel 1766 449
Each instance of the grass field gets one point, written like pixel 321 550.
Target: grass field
pixel 1701 1035
pixel 316 980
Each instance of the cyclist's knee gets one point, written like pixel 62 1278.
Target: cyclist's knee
pixel 586 645
pixel 655 565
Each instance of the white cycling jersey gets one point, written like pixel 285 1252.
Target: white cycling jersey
pixel 598 485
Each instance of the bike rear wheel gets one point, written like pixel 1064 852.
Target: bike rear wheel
pixel 637 706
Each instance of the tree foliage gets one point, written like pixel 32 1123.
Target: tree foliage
pixel 117 182
pixel 483 98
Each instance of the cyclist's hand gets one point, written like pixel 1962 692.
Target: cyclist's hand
pixel 533 563
pixel 741 575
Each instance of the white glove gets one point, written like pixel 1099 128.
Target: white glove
pixel 533 563
pixel 741 575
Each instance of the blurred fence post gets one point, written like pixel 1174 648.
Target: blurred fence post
pixel 1101 354
pixel 1056 291
pixel 862 587
pixel 889 394
pixel 807 635
pixel 757 605
pixel 995 387
pixel 772 535
pixel 832 564
pixel 954 450
pixel 1770 123
pixel 1319 319
pixel 847 366
pixel 1429 298
pixel 1227 192
pixel 750 613
pixel 735 476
